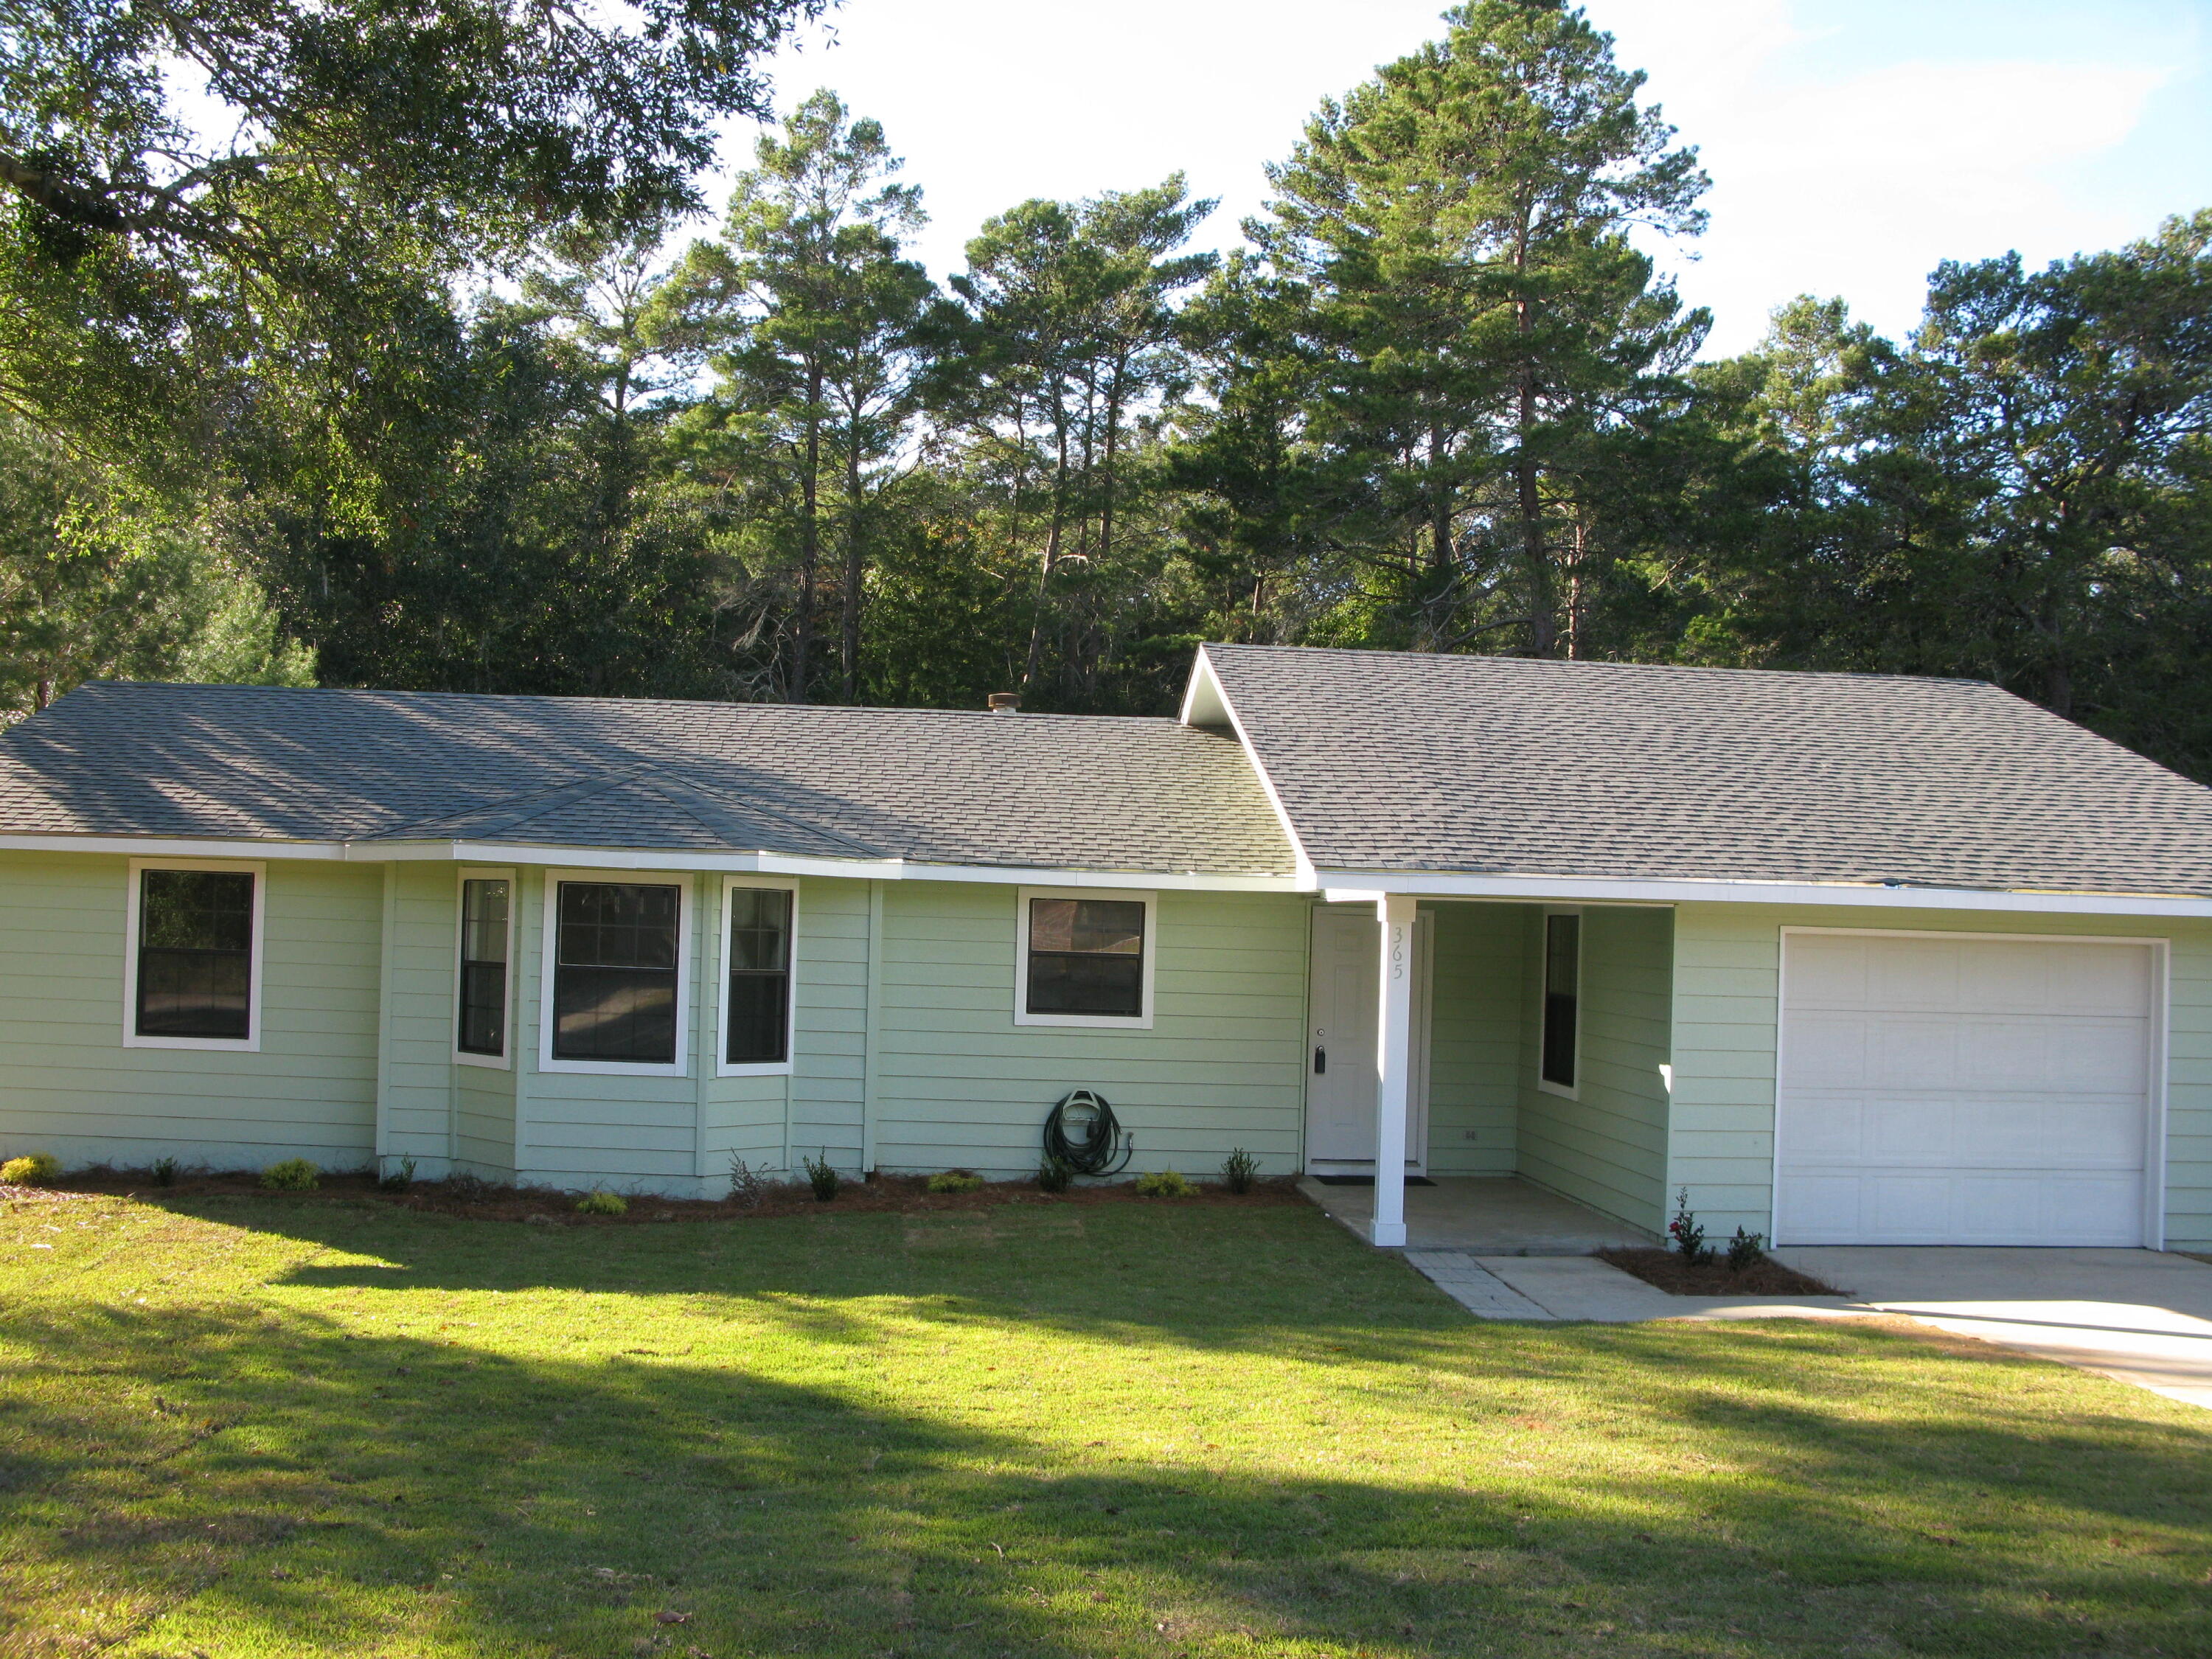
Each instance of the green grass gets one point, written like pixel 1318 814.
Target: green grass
pixel 323 1426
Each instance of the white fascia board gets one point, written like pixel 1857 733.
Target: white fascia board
pixel 155 846
pixel 1205 698
pixel 1363 885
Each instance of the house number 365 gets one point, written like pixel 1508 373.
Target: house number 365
pixel 1398 951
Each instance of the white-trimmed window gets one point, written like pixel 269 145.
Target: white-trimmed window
pixel 1084 956
pixel 1558 1062
pixel 617 997
pixel 760 938
pixel 193 958
pixel 484 992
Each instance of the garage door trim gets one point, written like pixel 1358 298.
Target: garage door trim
pixel 2162 994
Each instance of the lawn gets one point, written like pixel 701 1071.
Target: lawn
pixel 323 1425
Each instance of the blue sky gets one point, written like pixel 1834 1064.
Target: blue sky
pixel 1853 144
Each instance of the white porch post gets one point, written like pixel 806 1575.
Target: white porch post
pixel 1394 1034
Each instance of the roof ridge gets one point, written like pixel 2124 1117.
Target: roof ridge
pixel 1370 653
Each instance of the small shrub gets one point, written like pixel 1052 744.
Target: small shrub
pixel 746 1190
pixel 1746 1250
pixel 32 1169
pixel 1164 1183
pixel 399 1180
pixel 290 1175
pixel 603 1203
pixel 165 1172
pixel 955 1180
pixel 1053 1175
pixel 1239 1170
pixel 821 1177
pixel 1689 1238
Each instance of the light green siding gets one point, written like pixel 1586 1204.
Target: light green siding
pixel 1726 969
pixel 1476 988
pixel 71 1088
pixel 960 1083
pixel 1607 1145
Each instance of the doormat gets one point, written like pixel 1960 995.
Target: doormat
pixel 1367 1181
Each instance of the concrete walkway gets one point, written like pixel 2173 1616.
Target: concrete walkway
pixel 2138 1317
pixel 1486 1215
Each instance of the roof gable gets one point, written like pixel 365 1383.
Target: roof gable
pixel 1398 762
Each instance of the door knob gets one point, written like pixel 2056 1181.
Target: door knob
pixel 1320 1059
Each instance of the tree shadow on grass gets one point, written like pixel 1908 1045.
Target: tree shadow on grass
pixel 234 1480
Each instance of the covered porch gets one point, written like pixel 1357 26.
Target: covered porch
pixel 1490 1076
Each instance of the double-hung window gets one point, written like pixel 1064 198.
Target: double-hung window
pixel 1563 989
pixel 759 927
pixel 195 947
pixel 616 988
pixel 1085 958
pixel 486 905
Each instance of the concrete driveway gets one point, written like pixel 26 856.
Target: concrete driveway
pixel 2141 1316
pixel 2138 1316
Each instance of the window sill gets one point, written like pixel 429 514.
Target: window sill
pixel 491 1062
pixel 611 1068
pixel 1563 1091
pixel 760 1069
pixel 1088 1021
pixel 214 1045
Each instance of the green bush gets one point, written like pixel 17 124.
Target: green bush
pixel 33 1170
pixel 1166 1183
pixel 603 1203
pixel 290 1175
pixel 399 1180
pixel 1053 1175
pixel 955 1180
pixel 1239 1170
pixel 822 1176
pixel 165 1172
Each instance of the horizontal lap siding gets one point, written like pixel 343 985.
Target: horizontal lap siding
pixel 959 1084
pixel 1475 996
pixel 1608 1147
pixel 72 1087
pixel 1728 962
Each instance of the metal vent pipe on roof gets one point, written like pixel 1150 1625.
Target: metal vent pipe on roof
pixel 1006 703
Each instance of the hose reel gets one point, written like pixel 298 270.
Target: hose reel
pixel 1083 1132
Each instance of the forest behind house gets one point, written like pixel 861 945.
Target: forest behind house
pixel 413 386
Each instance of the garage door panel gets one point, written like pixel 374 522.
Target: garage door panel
pixel 1980 1092
pixel 1913 1054
pixel 1828 972
pixel 1914 974
pixel 1829 1048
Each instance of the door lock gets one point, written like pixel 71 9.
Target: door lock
pixel 1320 1059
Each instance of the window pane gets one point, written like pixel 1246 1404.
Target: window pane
pixel 614 979
pixel 195 909
pixel 1078 983
pixel 195 953
pixel 617 924
pixel 1562 972
pixel 760 929
pixel 483 1008
pixel 483 921
pixel 1109 925
pixel 759 1018
pixel 614 1013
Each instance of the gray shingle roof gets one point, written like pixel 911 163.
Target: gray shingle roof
pixel 931 785
pixel 1387 761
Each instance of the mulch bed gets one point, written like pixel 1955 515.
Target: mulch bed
pixel 483 1200
pixel 1678 1275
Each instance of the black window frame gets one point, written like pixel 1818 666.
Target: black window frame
pixel 470 996
pixel 1076 988
pixel 748 986
pixel 1559 1048
pixel 573 980
pixel 225 963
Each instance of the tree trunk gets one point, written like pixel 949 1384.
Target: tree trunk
pixel 1543 613
pixel 809 541
pixel 1051 555
pixel 850 658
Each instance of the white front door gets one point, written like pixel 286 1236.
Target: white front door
pixel 1964 1091
pixel 1340 1061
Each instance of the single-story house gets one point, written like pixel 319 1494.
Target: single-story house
pixel 1852 958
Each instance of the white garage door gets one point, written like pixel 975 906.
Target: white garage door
pixel 1962 1091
